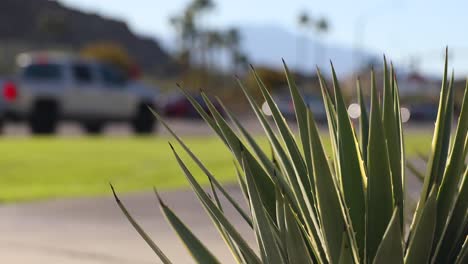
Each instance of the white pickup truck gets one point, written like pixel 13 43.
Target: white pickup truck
pixel 49 88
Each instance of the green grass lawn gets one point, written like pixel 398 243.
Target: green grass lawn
pixel 41 168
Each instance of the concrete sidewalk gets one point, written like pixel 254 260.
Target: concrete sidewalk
pixel 93 230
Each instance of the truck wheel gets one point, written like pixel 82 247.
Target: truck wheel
pixel 44 117
pixel 2 123
pixel 93 128
pixel 144 121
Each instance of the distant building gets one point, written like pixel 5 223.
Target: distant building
pixel 409 84
pixel 415 84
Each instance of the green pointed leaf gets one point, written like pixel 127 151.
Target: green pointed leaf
pixel 302 111
pixel 363 121
pixel 216 215
pixel 345 255
pixel 401 140
pixel 220 126
pixel 440 142
pixel 140 230
pixel 301 116
pixel 242 183
pixel 414 170
pixel 215 195
pixel 328 199
pixel 303 179
pixel 391 126
pixel 234 249
pixel 423 157
pixel 331 117
pixel 264 230
pixel 198 251
pixel 237 147
pixel 209 120
pixel 457 226
pixel 448 119
pixel 391 248
pixel 280 218
pixel 265 161
pixel 285 162
pixel 290 184
pixel 297 249
pixel 419 249
pixel 453 171
pixel 205 170
pixel 379 186
pixel 351 166
pixel 463 257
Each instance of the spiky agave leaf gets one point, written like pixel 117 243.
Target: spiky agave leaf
pixel 196 248
pixel 390 249
pixel 308 208
pixel 140 230
pixel 390 116
pixel 379 180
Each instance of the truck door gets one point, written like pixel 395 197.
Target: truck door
pixel 118 100
pixel 85 96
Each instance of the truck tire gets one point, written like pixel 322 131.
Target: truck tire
pixel 2 123
pixel 93 128
pixel 144 122
pixel 43 118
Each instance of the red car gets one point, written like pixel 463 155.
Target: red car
pixel 178 106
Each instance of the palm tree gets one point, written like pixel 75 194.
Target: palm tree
pixel 321 27
pixel 241 62
pixel 232 42
pixel 189 30
pixel 304 19
pixel 213 43
pixel 304 22
pixel 199 8
pixel 185 29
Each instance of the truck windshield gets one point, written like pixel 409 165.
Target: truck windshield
pixel 112 76
pixel 43 72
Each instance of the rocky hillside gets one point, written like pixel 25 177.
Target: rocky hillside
pixel 38 24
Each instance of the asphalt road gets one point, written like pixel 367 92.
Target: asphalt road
pixel 183 127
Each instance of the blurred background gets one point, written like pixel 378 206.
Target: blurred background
pixel 203 44
pixel 77 78
pixel 72 68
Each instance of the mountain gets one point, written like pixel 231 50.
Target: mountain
pixel 266 45
pixel 38 24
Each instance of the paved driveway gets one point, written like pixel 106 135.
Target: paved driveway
pixel 93 230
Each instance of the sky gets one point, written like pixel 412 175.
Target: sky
pixel 405 30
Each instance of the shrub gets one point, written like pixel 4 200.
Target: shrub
pixel 273 79
pixel 307 208
pixel 114 54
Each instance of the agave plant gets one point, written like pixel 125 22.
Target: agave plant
pixel 306 207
